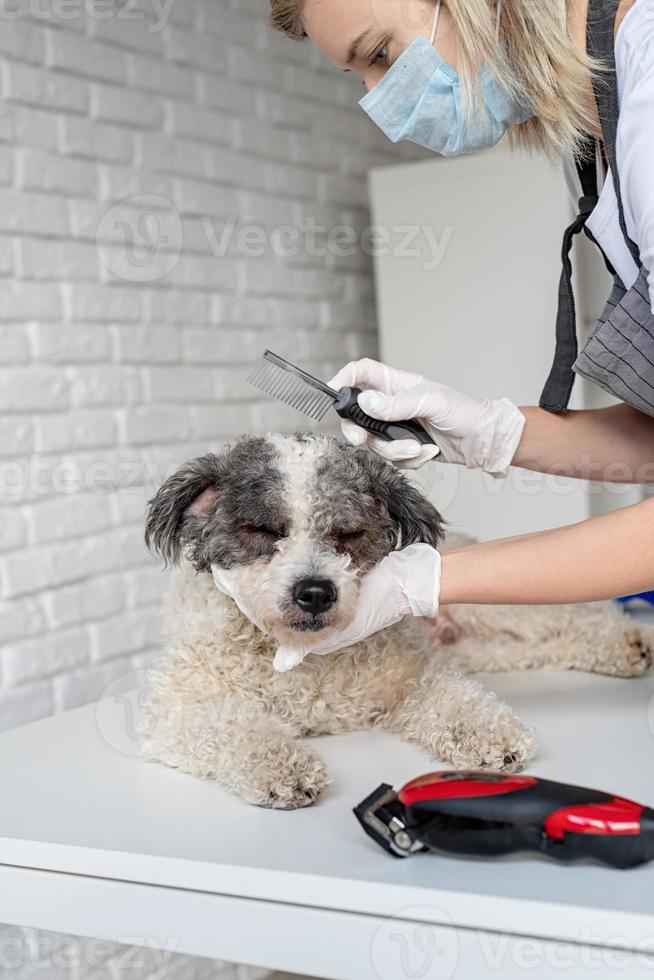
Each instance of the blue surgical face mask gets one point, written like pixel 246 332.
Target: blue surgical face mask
pixel 419 99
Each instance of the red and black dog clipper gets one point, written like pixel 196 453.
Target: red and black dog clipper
pixel 489 813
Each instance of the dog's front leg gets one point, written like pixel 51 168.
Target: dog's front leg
pixel 242 747
pixel 456 720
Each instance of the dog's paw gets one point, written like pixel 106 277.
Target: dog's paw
pixel 292 778
pixel 639 651
pixel 627 651
pixel 297 786
pixel 505 744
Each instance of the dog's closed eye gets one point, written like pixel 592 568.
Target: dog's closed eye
pixel 349 535
pixel 269 532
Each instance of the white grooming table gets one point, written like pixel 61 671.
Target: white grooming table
pixel 96 842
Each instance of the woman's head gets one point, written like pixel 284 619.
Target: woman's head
pixel 364 36
pixel 536 61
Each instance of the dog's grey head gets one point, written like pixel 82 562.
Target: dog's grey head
pixel 295 519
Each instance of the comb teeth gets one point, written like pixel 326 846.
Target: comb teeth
pixel 291 389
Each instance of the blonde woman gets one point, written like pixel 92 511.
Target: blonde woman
pixel 571 78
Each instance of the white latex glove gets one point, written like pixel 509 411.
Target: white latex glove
pixel 226 582
pixel 479 434
pixel 406 582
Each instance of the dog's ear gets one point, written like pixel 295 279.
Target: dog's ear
pixel 181 506
pixel 415 518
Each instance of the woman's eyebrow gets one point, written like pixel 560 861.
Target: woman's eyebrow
pixel 354 47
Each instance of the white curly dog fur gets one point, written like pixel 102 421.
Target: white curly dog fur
pixel 275 510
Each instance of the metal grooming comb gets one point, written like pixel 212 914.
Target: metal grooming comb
pixel 290 384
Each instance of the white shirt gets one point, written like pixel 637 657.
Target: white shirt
pixel 634 58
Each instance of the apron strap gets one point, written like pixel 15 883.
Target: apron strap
pixel 558 387
pixel 600 43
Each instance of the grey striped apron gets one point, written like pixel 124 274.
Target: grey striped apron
pixel 619 354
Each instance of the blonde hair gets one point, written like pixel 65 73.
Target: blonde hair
pixel 536 61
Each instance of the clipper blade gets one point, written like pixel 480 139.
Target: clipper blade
pixel 282 380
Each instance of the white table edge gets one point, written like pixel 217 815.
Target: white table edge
pixel 548 921
pixel 223 926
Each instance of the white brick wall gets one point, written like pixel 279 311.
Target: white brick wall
pixel 114 370
pixel 124 337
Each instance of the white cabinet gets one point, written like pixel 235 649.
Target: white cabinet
pixel 466 292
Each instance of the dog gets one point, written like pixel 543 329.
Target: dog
pixel 291 514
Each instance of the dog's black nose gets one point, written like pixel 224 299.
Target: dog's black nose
pixel 314 595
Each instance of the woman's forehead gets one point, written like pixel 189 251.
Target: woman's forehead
pixel 335 25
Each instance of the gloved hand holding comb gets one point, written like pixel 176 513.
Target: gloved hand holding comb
pixel 478 434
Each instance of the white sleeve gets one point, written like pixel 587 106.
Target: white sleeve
pixel 635 155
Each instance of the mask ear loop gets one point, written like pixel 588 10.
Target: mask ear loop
pixel 435 21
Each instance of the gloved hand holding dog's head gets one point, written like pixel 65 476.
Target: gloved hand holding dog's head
pixel 406 582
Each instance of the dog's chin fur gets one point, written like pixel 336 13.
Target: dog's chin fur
pixel 218 708
pixel 299 635
pixel 303 632
pixel 311 626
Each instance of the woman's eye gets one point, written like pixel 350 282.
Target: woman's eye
pixel 381 57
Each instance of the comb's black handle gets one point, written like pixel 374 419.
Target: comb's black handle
pixel 347 407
